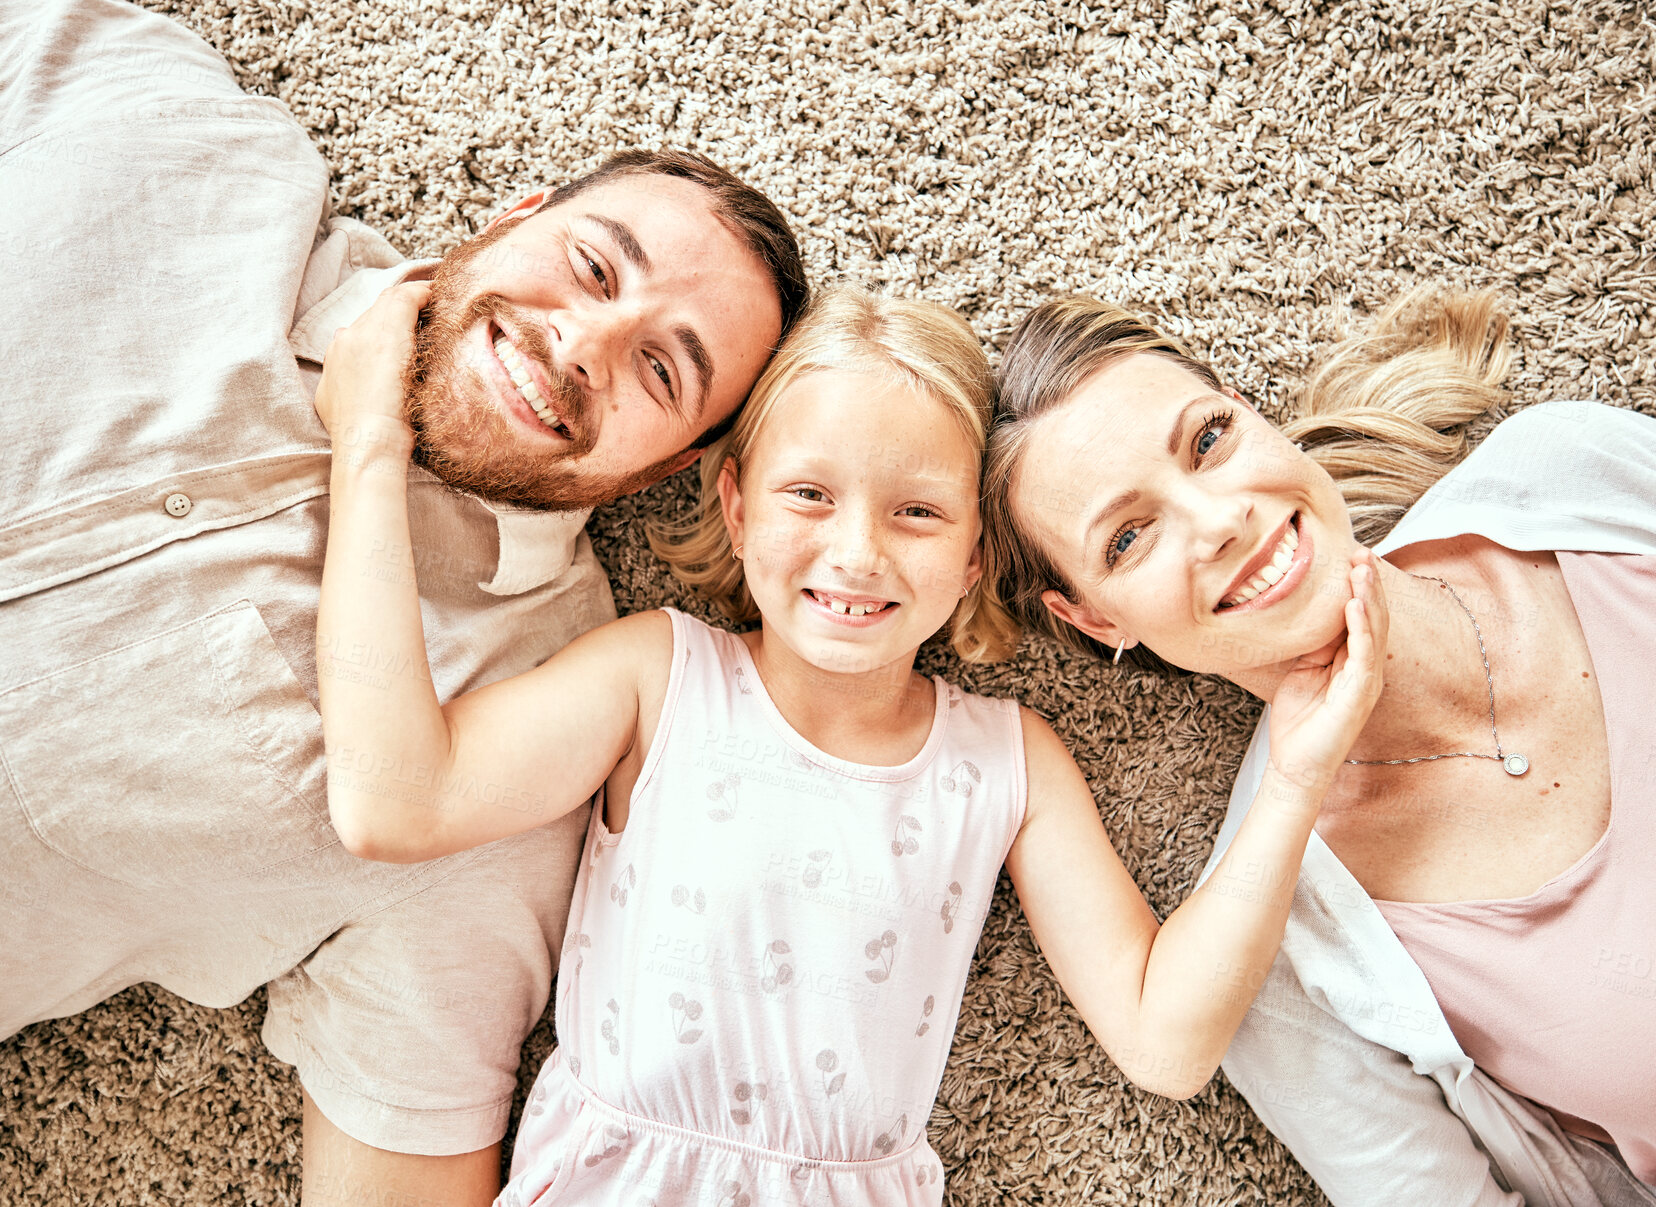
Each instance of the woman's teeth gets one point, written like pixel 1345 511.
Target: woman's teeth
pixel 519 373
pixel 1272 571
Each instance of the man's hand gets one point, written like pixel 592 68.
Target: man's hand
pixel 360 398
pixel 1327 696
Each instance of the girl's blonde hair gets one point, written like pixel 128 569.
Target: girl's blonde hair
pixel 1385 415
pixel 916 345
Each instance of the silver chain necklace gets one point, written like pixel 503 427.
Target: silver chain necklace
pixel 1513 763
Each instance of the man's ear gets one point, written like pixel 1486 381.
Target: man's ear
pixel 520 209
pixel 730 503
pixel 1086 618
pixel 688 457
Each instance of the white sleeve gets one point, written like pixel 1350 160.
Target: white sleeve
pixel 1366 1126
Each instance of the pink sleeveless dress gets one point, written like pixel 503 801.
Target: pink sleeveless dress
pixel 762 973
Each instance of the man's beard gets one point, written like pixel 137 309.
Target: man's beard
pixel 460 433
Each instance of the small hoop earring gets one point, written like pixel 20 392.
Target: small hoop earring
pixel 1119 646
pixel 736 553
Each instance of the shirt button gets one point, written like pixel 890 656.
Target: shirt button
pixel 178 505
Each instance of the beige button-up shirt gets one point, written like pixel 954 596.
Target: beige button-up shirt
pixel 172 284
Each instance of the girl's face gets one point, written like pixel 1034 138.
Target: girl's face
pixel 857 516
pixel 1185 521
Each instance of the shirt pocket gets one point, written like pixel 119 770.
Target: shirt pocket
pixel 193 755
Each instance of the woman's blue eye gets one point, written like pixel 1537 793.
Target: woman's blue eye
pixel 1125 538
pixel 1206 441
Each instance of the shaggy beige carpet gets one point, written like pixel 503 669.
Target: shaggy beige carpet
pixel 1254 176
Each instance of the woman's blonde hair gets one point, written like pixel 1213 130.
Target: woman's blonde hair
pixel 917 345
pixel 1385 415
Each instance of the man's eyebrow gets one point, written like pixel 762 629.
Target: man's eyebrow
pixel 628 242
pixel 699 359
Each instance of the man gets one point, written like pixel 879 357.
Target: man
pixel 172 285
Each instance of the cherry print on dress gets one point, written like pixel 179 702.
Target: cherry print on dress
pixel 902 842
pixel 883 949
pixel 724 790
pixel 812 875
pixel 744 1092
pixel 573 947
pixel 951 907
pixel 827 1061
pixel 962 779
pixel 696 903
pixel 628 879
pixel 925 1013
pixel 734 1196
pixel 611 1030
pixel 887 1140
pixel 613 1139
pixel 776 972
pixel 685 1010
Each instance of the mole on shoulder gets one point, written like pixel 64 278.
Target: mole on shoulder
pixel 1585 675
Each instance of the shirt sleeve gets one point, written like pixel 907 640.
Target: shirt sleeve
pixel 1366 1126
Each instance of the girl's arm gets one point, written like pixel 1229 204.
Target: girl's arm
pixel 1165 1001
pixel 408 778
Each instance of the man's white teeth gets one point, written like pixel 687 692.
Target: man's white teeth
pixel 520 378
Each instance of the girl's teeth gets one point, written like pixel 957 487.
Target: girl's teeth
pixel 841 608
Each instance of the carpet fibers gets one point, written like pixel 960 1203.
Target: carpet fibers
pixel 1257 175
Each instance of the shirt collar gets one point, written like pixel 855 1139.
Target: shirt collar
pixel 536 547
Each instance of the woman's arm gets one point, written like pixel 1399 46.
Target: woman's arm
pixel 1165 1001
pixel 408 778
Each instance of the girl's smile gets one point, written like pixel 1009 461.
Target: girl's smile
pixel 857 517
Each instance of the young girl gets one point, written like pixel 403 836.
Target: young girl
pixel 796 837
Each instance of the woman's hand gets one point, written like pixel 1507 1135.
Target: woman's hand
pixel 361 396
pixel 1325 699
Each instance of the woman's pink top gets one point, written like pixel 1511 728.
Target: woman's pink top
pixel 1554 994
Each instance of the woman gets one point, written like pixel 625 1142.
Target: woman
pixel 1463 1009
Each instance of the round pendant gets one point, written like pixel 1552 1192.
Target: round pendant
pixel 1515 764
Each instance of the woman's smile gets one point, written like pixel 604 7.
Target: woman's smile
pixel 1273 573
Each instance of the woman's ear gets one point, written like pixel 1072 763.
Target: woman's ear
pixel 730 503
pixel 1235 397
pixel 1086 618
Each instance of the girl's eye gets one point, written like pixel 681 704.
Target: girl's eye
pixel 919 511
pixel 809 493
